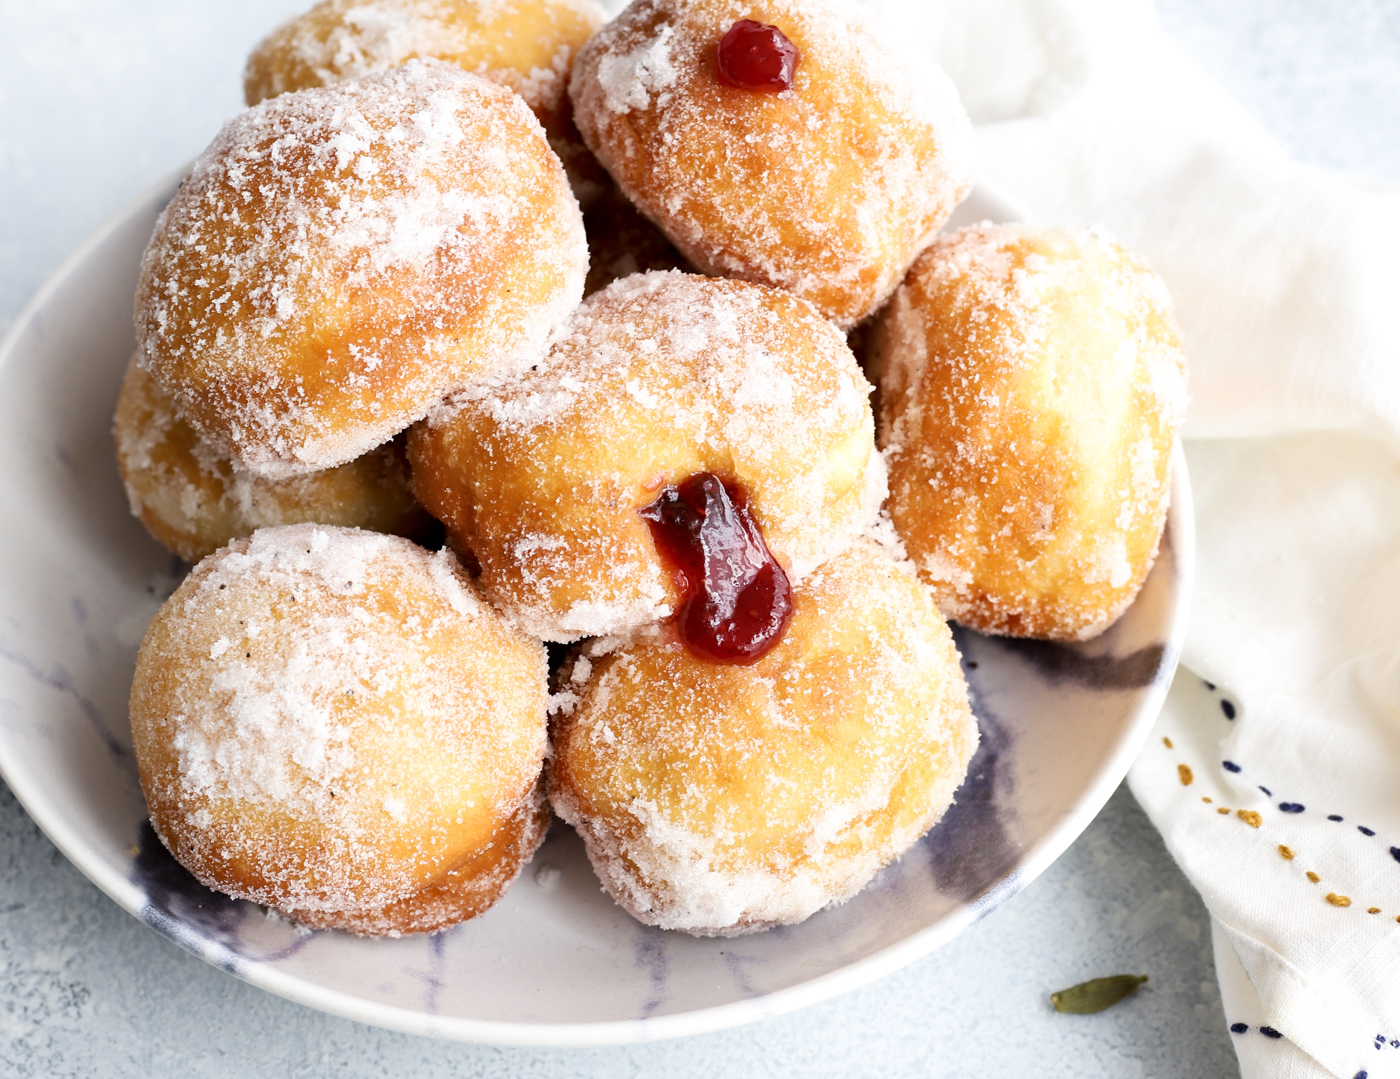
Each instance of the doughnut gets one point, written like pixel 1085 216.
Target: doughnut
pixel 722 799
pixel 194 501
pixel 828 188
pixel 1031 385
pixel 527 45
pixel 332 723
pixel 657 379
pixel 340 258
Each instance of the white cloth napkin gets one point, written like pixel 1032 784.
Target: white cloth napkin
pixel 1286 283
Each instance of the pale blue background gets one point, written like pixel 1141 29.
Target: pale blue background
pixel 100 99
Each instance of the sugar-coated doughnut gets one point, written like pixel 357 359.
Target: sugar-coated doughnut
pixel 1031 385
pixel 340 258
pixel 332 723
pixel 830 188
pixel 724 799
pixel 528 45
pixel 657 378
pixel 194 501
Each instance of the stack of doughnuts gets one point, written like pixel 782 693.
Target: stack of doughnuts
pixel 363 314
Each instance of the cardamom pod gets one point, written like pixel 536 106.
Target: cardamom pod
pixel 1095 995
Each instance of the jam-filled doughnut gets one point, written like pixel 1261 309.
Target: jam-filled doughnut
pixel 722 799
pixel 825 170
pixel 653 381
pixel 340 258
pixel 332 723
pixel 1031 384
pixel 194 501
pixel 528 45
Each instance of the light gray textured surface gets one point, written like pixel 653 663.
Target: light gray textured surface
pixel 1322 76
pixel 99 100
pixel 88 990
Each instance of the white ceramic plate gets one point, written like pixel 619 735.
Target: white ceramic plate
pixel 555 962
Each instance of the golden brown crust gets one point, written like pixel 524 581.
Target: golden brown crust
pixel 723 799
pixel 341 257
pixel 470 888
pixel 656 378
pixel 194 501
pixel 829 190
pixel 1032 382
pixel 333 723
pixel 527 45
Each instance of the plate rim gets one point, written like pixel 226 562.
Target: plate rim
pixel 72 844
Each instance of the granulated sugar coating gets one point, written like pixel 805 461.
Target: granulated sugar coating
pixel 332 723
pixel 1031 385
pixel 340 258
pixel 194 501
pixel 656 378
pixel 829 189
pixel 527 45
pixel 722 800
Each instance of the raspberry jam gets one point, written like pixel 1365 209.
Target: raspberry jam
pixel 758 57
pixel 737 598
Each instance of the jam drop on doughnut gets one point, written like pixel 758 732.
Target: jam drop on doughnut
pixel 737 598
pixel 758 57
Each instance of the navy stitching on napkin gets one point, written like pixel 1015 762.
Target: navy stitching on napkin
pixel 1255 820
